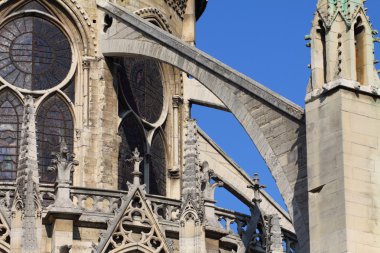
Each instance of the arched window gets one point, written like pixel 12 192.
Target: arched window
pixel 360 48
pixel 132 136
pixel 11 111
pixel 141 87
pixel 157 168
pixel 141 98
pixel 322 44
pixel 36 58
pixel 35 54
pixel 54 121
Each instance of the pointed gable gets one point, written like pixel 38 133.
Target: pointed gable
pixel 4 233
pixel 135 227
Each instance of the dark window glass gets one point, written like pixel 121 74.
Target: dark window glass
pixel 54 121
pixel 132 136
pixel 142 87
pixel 70 91
pixel 11 111
pixel 34 53
pixel 157 171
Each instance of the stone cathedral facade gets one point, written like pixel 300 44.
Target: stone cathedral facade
pixel 99 152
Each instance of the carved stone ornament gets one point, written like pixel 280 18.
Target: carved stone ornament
pixel 63 163
pixel 256 186
pixel 134 227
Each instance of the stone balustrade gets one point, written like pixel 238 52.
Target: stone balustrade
pixel 102 203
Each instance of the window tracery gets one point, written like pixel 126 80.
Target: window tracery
pixel 11 110
pixel 34 53
pixel 70 90
pixel 54 121
pixel 132 136
pixel 141 90
pixel 157 166
pixel 142 87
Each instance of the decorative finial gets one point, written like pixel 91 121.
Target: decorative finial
pixel 63 163
pixel 256 186
pixel 136 159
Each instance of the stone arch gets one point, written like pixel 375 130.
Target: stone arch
pixel 132 248
pixel 158 164
pixel 274 124
pixel 54 120
pixel 132 136
pixel 318 54
pixel 154 15
pixel 11 111
pixel 67 11
pixel 364 49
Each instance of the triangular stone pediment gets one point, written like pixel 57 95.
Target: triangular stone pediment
pixel 135 227
pixel 4 233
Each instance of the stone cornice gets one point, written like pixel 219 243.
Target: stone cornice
pixel 345 84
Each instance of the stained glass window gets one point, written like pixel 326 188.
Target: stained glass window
pixel 54 121
pixel 157 170
pixel 11 111
pixel 143 88
pixel 132 136
pixel 140 88
pixel 70 90
pixel 34 53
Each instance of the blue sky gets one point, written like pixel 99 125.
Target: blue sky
pixel 265 41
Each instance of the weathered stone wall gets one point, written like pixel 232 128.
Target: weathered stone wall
pixel 96 140
pixel 343 172
pixel 274 124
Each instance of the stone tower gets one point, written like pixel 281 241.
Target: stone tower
pixel 342 122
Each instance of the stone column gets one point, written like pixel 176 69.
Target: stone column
pixel 174 172
pixel 191 232
pixel 62 213
pixel 189 19
pixel 274 237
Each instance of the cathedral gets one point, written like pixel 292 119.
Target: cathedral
pixel 99 152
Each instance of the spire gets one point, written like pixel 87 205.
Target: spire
pixel 28 148
pixel 136 159
pixel 256 186
pixel 342 47
pixel 192 214
pixel 191 189
pixel 27 207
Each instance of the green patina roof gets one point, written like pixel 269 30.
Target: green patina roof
pixel 346 5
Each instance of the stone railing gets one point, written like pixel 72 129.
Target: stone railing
pixel 165 209
pixel 96 201
pixel 91 200
pixel 227 218
pixel 236 223
pixel 101 203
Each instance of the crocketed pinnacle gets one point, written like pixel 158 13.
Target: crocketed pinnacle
pixel 191 182
pixel 27 181
pixel 28 146
pixel 329 8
